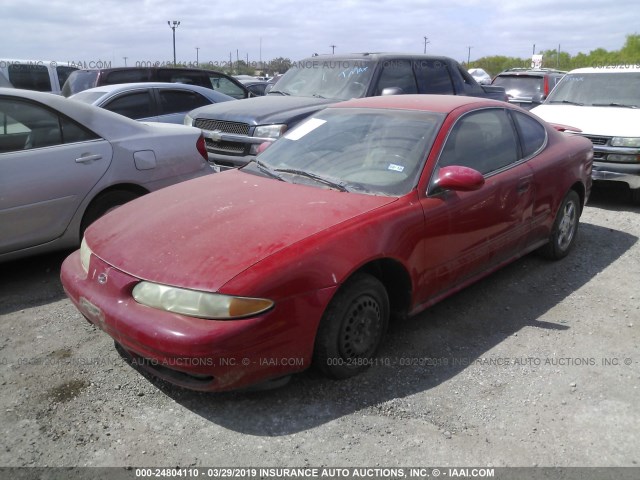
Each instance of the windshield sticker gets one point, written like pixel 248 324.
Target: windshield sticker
pixel 395 168
pixel 308 126
pixel 353 71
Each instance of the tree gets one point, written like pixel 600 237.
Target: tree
pixel 277 65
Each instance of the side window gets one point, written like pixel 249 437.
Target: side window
pixel 435 77
pixel 178 101
pixel 133 105
pixel 483 140
pixel 125 76
pixel 397 73
pixel 532 133
pixel 30 77
pixel 24 125
pixel 226 86
pixel 63 74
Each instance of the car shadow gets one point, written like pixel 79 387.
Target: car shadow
pixel 459 331
pixel 38 275
pixel 612 196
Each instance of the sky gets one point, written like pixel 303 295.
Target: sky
pixel 95 32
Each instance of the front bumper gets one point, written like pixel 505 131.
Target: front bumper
pixel 206 355
pixel 617 172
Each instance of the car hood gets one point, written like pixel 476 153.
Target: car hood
pixel 263 110
pixel 202 233
pixel 602 121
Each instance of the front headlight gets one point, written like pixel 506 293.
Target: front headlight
pixel 198 304
pixel 269 131
pixel 85 255
pixel 625 142
pixel 188 120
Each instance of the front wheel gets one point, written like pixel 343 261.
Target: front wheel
pixel 352 327
pixel 565 228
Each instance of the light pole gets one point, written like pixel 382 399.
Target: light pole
pixel 426 40
pixel 469 56
pixel 125 61
pixel 173 25
pixel 333 49
pixel 197 56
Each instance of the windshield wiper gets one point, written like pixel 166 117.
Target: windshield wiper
pixel 567 101
pixel 313 176
pixel 315 95
pixel 614 104
pixel 264 169
pixel 280 92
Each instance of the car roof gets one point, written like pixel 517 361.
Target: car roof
pixel 609 69
pixel 430 103
pixel 123 87
pixel 531 71
pixel 374 57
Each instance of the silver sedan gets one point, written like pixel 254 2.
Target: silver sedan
pixel 63 164
pixel 151 101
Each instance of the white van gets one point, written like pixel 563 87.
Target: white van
pixel 40 75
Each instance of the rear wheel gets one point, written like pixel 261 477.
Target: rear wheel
pixel 103 204
pixel 565 228
pixel 352 327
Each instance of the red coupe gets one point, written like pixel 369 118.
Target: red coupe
pixel 371 209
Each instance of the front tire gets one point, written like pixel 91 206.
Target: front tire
pixel 565 228
pixel 352 327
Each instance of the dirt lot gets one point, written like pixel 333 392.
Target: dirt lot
pixel 539 364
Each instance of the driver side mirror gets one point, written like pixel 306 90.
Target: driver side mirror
pixel 391 91
pixel 459 179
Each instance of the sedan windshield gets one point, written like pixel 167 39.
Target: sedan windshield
pixel 350 149
pixel 598 89
pixel 337 79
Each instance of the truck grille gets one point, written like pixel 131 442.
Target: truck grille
pixel 598 140
pixel 226 147
pixel 225 127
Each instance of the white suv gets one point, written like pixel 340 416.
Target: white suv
pixel 604 103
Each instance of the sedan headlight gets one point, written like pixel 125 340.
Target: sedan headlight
pixel 198 304
pixel 188 120
pixel 625 142
pixel 269 131
pixel 85 255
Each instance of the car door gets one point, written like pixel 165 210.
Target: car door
pixel 48 165
pixel 471 232
pixel 139 104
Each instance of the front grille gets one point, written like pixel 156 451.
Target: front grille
pixel 598 140
pixel 225 127
pixel 226 147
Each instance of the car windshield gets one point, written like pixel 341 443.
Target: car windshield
pixel 599 89
pixel 336 79
pixel 363 150
pixel 519 85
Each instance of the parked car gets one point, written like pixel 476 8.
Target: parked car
pixel 223 83
pixel 369 208
pixel 604 104
pixel 38 75
pixel 151 102
pixel 234 132
pixel 528 88
pixel 257 87
pixel 480 76
pixel 63 164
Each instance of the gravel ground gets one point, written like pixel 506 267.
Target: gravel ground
pixel 539 364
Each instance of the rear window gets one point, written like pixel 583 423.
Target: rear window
pixel 124 76
pixel 78 81
pixel 30 77
pixel 520 85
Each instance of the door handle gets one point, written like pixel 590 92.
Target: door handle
pixel 88 158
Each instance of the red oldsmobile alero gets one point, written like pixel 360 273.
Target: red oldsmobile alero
pixel 370 209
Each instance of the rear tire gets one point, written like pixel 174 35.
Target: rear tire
pixel 352 327
pixel 104 203
pixel 565 228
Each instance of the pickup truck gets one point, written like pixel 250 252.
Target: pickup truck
pixel 604 105
pixel 234 131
